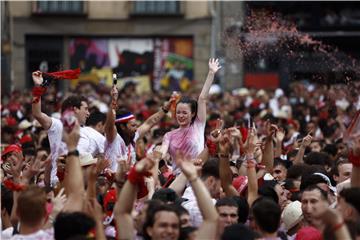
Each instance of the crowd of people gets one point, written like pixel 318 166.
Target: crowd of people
pixel 101 163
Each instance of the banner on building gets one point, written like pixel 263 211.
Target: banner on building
pixel 161 62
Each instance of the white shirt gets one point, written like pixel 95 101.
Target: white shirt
pixel 117 150
pixel 192 206
pixel 91 141
pixel 7 233
pixel 58 147
pixel 47 234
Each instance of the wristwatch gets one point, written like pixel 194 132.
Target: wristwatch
pixel 73 153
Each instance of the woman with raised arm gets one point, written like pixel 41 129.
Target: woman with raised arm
pixel 191 117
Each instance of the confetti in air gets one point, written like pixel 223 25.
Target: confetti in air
pixel 267 33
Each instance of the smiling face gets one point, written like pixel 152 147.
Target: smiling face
pixel 166 226
pixel 184 114
pixel 82 113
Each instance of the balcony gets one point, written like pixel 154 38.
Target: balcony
pixel 156 8
pixel 76 8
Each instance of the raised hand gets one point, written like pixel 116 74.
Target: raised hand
pixel 101 164
pixel 145 164
pixel 225 144
pixel 214 65
pixel 35 167
pixel 114 93
pixel 58 202
pixel 235 133
pixel 187 166
pixel 251 141
pixel 270 129
pixel 280 135
pixel 37 78
pixel 307 140
pixel 72 138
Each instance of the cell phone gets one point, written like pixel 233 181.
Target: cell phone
pixel 68 119
pixel 114 79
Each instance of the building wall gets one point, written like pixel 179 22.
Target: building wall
pixel 110 19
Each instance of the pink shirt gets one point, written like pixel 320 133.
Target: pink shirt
pixel 189 141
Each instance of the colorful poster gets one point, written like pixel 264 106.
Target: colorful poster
pixel 160 62
pixel 173 63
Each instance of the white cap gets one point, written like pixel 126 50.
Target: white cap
pixel 242 91
pixel 292 215
pixel 215 89
pixel 279 92
pixel 87 159
pixel 260 93
pixel 24 124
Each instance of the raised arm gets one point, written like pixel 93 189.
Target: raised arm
pixel 299 158
pixel 268 156
pixel 44 120
pixel 110 129
pixel 213 68
pixel 224 164
pixel 127 196
pixel 279 137
pixel 155 118
pixel 74 182
pixel 208 229
pixel 251 170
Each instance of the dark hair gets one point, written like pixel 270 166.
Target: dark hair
pixel 352 197
pixel 166 195
pixel 210 169
pixel 236 231
pixel 71 224
pixel 330 149
pixel 279 161
pixel 73 101
pixel 95 117
pixel 182 210
pixel 192 104
pixel 120 126
pixel 317 158
pixel 309 180
pixel 186 231
pixel 150 217
pixel 268 190
pixel 323 194
pixel 267 214
pixel 296 171
pixel 226 201
pixel 243 208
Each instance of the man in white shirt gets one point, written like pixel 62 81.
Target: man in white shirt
pixel 93 140
pixel 54 126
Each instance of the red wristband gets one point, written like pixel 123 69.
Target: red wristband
pixel 13 186
pixel 338 226
pixel 137 178
pixel 37 92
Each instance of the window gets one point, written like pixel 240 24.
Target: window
pixel 58 7
pixel 156 8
